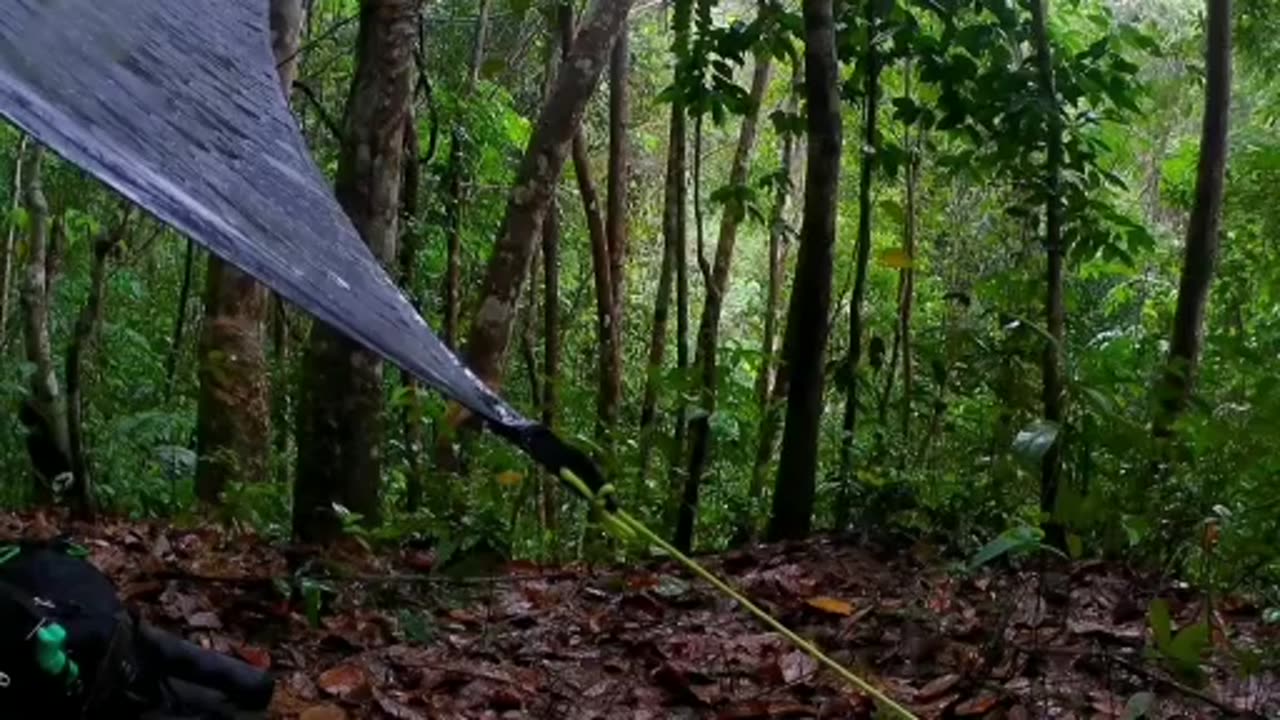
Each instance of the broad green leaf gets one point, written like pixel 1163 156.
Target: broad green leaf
pixel 1189 644
pixel 1161 623
pixel 1032 443
pixel 1014 540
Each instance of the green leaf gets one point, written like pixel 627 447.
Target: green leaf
pixel 1032 443
pixel 1138 706
pixel 1012 541
pixel 1189 644
pixel 1161 623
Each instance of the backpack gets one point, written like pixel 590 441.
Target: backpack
pixel 70 648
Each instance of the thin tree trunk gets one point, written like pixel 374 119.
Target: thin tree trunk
pixel 83 336
pixel 849 428
pixel 909 276
pixel 770 386
pixel 535 183
pixel 661 306
pixel 340 409
pixel 713 306
pixel 609 362
pixel 805 341
pixel 1055 309
pixel 550 348
pixel 179 321
pixel 6 256
pixel 43 411
pixel 413 413
pixel 233 422
pixel 674 242
pixel 619 180
pixel 456 185
pixel 1201 255
pixel 550 301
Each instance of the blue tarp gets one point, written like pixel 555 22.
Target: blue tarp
pixel 176 105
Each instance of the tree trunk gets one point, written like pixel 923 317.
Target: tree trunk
pixel 550 303
pixel 233 422
pixel 713 306
pixel 43 411
pixel 340 409
pixel 609 388
pixel 909 277
pixel 673 248
pixel 456 183
pixel 83 336
pixel 672 223
pixel 535 183
pixel 413 414
pixel 805 341
pixel 6 255
pixel 849 427
pixel 180 320
pixel 1055 309
pixel 771 390
pixel 619 181
pixel 550 347
pixel 1201 254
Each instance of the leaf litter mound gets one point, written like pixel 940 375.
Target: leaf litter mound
pixel 352 634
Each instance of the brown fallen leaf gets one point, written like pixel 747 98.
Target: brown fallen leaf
pixel 830 605
pixel 343 681
pixel 978 706
pixel 323 712
pixel 255 656
pixel 937 687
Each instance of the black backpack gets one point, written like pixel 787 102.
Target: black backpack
pixel 70 650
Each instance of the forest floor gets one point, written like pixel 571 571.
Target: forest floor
pixel 395 641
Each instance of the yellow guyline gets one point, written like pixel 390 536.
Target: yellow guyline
pixel 629 530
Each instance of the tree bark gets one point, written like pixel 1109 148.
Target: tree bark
pixel 233 422
pixel 619 180
pixel 771 386
pixel 413 412
pixel 805 341
pixel 43 411
pixel 456 183
pixel 550 304
pixel 535 183
pixel 1201 253
pixel 1055 308
pixel 713 306
pixel 340 409
pixel 6 255
pixel 83 336
pixel 909 276
pixel 849 427
pixel 672 224
pixel 609 365
pixel 179 321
